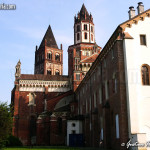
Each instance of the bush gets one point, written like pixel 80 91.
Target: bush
pixel 5 123
pixel 13 141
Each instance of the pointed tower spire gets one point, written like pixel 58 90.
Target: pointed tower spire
pixel 49 39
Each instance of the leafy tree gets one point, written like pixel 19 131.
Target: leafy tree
pixel 5 123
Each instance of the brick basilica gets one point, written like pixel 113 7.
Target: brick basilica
pixel 102 100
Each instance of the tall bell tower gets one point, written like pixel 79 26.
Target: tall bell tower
pixel 48 57
pixel 83 53
pixel 84 27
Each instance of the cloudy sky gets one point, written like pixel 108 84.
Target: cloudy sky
pixel 22 29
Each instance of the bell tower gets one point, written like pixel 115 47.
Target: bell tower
pixel 84 27
pixel 83 53
pixel 48 57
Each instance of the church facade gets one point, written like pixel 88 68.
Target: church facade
pixel 105 95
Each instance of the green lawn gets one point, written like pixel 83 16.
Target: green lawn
pixel 51 148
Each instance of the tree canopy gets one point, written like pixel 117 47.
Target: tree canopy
pixel 5 123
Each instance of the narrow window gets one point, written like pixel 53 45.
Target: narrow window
pixel 117 126
pixel 92 37
pixel 143 39
pixel 49 55
pixel 57 72
pixel 78 28
pixel 92 28
pixel 57 57
pixel 145 75
pixel 85 26
pixel 78 36
pixel 49 72
pixel 77 76
pixel 85 35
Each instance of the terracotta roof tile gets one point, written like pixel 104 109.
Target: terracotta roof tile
pixel 90 59
pixel 44 77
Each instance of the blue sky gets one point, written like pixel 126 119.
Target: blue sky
pixel 22 29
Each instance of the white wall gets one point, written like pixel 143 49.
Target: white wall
pixel 77 128
pixel 138 95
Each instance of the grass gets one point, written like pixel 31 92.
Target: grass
pixel 50 148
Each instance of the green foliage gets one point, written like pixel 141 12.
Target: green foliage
pixel 13 141
pixel 5 123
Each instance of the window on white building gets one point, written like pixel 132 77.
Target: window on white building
pixel 143 39
pixel 145 75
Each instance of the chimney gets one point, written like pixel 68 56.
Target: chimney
pixel 131 12
pixel 140 8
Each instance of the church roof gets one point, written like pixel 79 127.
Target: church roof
pixel 49 39
pixel 44 77
pixel 90 59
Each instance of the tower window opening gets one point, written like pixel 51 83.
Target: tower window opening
pixel 57 72
pixel 91 28
pixel 57 57
pixel 78 36
pixel 78 28
pixel 85 35
pixel 49 55
pixel 85 26
pixel 49 72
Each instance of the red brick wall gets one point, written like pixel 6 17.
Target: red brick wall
pixel 115 104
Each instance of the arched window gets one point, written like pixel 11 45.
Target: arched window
pixel 57 72
pixel 85 26
pixel 145 75
pixel 49 55
pixel 49 72
pixel 85 35
pixel 78 36
pixel 57 57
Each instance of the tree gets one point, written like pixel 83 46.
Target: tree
pixel 5 123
